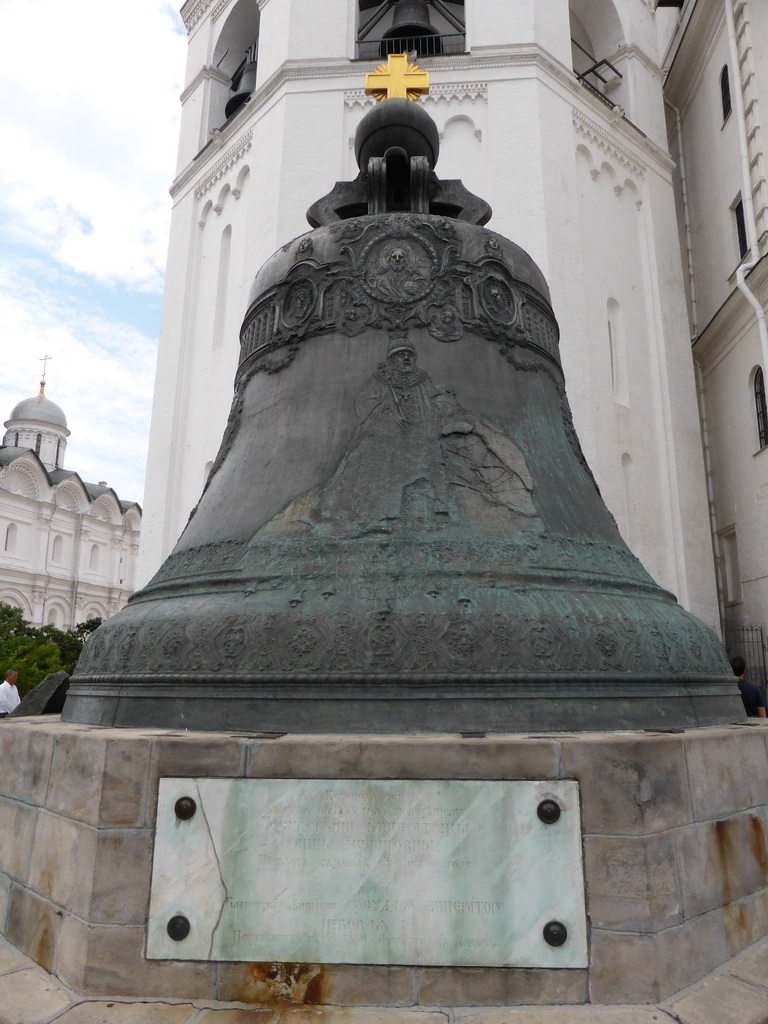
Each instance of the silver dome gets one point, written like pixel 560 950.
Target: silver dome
pixel 38 410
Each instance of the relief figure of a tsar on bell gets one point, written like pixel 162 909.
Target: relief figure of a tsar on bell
pixel 416 461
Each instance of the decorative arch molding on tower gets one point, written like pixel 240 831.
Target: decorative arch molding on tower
pixel 193 13
pixel 446 93
pixel 234 154
pixel 598 137
pixel 221 198
pixel 23 480
pixel 204 213
pixel 231 191
pixel 241 181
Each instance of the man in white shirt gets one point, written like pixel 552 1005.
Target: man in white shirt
pixel 9 695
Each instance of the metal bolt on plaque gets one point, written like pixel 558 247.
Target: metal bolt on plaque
pixel 185 808
pixel 548 811
pixel 178 927
pixel 555 933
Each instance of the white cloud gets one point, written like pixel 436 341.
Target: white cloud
pixel 101 375
pixel 89 110
pixel 89 99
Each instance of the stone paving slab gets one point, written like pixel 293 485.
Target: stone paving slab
pixel 31 996
pixel 736 1002
pixel 11 959
pixel 736 993
pixel 752 965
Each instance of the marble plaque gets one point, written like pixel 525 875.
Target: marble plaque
pixel 452 873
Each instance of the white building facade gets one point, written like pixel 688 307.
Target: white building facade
pixel 68 549
pixel 575 164
pixel 717 95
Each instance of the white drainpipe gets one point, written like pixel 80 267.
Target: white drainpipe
pixel 749 295
pixel 746 189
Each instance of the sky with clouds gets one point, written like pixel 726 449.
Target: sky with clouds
pixel 89 110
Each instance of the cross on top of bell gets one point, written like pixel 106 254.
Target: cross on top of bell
pixel 397 79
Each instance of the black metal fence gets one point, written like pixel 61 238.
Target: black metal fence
pixel 425 46
pixel 749 642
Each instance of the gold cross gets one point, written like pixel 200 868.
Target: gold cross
pixel 397 80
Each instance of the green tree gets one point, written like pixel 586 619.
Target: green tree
pixel 37 651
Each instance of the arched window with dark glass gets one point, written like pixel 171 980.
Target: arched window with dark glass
pixel 725 91
pixel 38 443
pixel 761 411
pixel 741 228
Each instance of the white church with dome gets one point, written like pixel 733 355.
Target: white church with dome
pixel 68 548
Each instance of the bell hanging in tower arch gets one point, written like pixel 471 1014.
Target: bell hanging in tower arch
pixel 411 29
pixel 243 81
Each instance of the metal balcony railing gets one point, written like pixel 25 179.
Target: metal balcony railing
pixel 594 90
pixel 425 46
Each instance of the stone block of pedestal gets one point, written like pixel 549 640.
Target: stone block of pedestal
pixel 672 834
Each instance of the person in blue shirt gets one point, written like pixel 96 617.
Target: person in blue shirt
pixel 752 698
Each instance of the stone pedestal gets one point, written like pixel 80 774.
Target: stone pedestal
pixel 674 843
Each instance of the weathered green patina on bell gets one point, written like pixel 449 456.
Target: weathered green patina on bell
pixel 400 532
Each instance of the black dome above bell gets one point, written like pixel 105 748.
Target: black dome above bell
pixel 397 124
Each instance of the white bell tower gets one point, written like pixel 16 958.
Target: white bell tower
pixel 553 112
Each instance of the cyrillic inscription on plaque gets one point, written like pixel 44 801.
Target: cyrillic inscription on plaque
pixel 453 873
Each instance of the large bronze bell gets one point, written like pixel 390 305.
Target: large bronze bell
pixel 243 83
pixel 400 532
pixel 411 30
